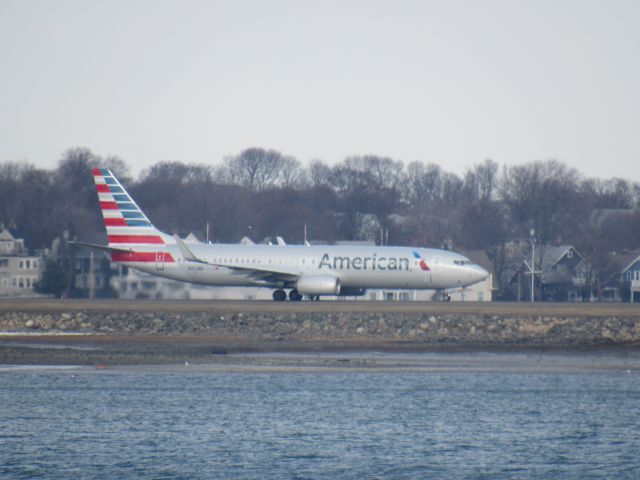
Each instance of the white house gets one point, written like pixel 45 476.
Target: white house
pixel 19 271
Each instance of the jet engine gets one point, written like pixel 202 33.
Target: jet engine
pixel 318 285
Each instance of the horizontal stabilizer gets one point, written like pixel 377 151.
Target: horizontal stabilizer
pixel 104 248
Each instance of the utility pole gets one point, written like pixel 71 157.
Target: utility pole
pixel 532 268
pixel 533 265
pixel 90 278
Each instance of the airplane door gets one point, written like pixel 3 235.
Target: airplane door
pixel 159 261
pixel 434 267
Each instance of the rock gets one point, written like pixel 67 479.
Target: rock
pixel 30 324
pixel 424 326
pixel 360 330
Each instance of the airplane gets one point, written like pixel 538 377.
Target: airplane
pixel 305 271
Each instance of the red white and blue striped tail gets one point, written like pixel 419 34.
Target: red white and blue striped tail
pixel 127 227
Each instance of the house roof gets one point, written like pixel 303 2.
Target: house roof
pixel 628 260
pixel 548 256
pixel 618 263
pixel 191 238
pixel 6 235
pixel 546 259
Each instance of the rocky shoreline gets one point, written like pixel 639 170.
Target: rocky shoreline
pixel 326 327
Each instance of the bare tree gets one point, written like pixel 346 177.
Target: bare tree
pixel 613 193
pixel 177 172
pixel 10 180
pixel 292 175
pixel 542 196
pixel 367 185
pixel 255 168
pixel 319 174
pixel 424 183
pixel 480 181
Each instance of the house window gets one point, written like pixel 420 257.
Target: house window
pixel 21 266
pixel 28 263
pixel 570 254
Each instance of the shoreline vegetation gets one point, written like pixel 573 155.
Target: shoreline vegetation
pixel 93 332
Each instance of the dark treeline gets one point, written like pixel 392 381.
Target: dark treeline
pixel 264 193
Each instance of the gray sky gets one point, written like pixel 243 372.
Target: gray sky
pixel 449 82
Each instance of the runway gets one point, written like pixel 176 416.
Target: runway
pixel 499 309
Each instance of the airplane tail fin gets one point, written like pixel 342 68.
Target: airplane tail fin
pixel 127 226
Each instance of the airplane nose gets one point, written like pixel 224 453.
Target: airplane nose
pixel 477 273
pixel 480 273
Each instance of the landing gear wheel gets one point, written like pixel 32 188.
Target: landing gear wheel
pixel 279 296
pixel 294 296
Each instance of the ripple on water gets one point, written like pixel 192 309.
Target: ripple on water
pixel 57 424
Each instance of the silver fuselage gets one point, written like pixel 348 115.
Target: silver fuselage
pixel 355 266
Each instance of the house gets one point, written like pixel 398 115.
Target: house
pixel 564 274
pixel 133 284
pixel 19 271
pixel 631 279
pixel 561 274
pixel 91 274
pixel 622 281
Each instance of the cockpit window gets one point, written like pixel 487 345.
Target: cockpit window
pixel 462 262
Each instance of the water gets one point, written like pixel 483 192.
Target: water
pixel 146 423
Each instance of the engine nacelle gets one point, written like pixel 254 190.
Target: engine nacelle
pixel 318 285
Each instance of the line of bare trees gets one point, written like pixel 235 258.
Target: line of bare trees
pixel 264 193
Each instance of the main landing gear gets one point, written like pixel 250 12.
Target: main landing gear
pixel 281 296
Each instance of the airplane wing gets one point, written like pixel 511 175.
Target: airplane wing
pixel 260 274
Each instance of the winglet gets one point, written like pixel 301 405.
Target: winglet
pixel 186 253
